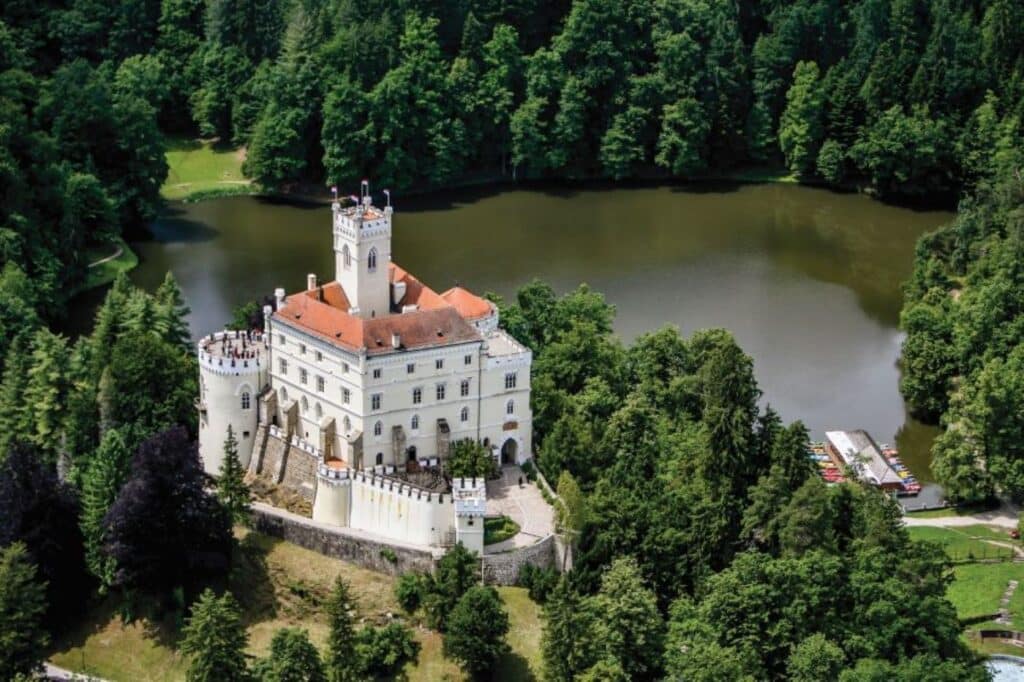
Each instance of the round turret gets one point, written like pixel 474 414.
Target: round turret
pixel 233 370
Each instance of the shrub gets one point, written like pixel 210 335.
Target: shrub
pixel 389 555
pixel 539 581
pixel 382 652
pixel 409 591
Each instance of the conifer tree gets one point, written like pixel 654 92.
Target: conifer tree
pixel 171 313
pixel 23 638
pixel 231 488
pixel 476 630
pixel 101 483
pixel 110 320
pixel 293 658
pixel 341 661
pixel 46 391
pixel 215 639
pixel 14 417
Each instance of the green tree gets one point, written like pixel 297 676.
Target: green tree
pixel 831 163
pixel 628 628
pixel 476 629
pixel 815 658
pixel 292 658
pixel 232 491
pixel 107 471
pixel 171 313
pixel 800 129
pixel 455 572
pixel 340 662
pixel 214 638
pixel 46 391
pixel 23 638
pixel 470 459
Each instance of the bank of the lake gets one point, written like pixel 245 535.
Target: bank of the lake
pixel 808 280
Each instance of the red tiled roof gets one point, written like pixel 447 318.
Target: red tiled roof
pixel 416 292
pixel 419 329
pixel 469 305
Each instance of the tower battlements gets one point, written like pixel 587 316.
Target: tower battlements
pixel 232 352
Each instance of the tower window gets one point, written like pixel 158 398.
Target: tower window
pixel 378 428
pixel 375 401
pixel 347 424
pixel 319 411
pixel 305 405
pixel 320 384
pixel 510 407
pixel 371 260
pixel 440 391
pixel 464 388
pixel 380 458
pixel 510 380
pixel 282 365
pixel 303 376
pixel 346 257
pixel 464 415
pixel 376 373
pixel 414 423
pixel 246 400
pixel 346 396
pixel 417 396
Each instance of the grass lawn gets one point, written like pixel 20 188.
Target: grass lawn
pixel 965 510
pixel 965 543
pixel 279 584
pixel 197 168
pixel 107 271
pixel 764 174
pixel 977 589
pixel 499 529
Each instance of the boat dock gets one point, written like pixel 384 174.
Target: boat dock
pixel 856 452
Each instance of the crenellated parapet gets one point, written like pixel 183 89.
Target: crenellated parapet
pixel 232 352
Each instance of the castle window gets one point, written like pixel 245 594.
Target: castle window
pixel 280 339
pixel 440 391
pixel 344 368
pixel 346 257
pixel 378 429
pixel 305 405
pixel 303 376
pixel 380 458
pixel 439 363
pixel 319 356
pixel 417 396
pixel 320 384
pixel 375 401
pixel 467 360
pixel 510 380
pixel 464 388
pixel 414 424
pixel 510 407
pixel 371 260
pixel 376 373
pixel 282 365
pixel 347 424
pixel 410 368
pixel 346 396
pixel 302 348
pixel 284 394
pixel 319 411
pixel 464 415
pixel 246 400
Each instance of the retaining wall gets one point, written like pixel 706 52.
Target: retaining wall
pixel 503 568
pixel 342 543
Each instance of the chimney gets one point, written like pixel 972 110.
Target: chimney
pixel 267 312
pixel 279 297
pixel 396 340
pixel 310 282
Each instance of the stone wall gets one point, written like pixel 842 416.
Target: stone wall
pixel 503 568
pixel 286 465
pixel 342 543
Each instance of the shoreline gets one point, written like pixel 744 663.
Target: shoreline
pixel 105 270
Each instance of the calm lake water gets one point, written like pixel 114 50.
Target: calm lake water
pixel 807 280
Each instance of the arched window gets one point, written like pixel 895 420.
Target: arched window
pixel 371 260
pixel 415 423
pixel 510 407
pixel 246 400
pixel 348 424
pixel 380 458
pixel 284 394
pixel 305 405
pixel 319 411
pixel 464 415
pixel 378 428
pixel 346 257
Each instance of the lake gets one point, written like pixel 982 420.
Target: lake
pixel 807 280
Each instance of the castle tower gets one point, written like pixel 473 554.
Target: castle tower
pixel 362 252
pixel 470 506
pixel 233 370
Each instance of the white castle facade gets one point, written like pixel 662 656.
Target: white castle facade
pixel 355 383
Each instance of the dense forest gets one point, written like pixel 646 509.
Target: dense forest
pixel 905 98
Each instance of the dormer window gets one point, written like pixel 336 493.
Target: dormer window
pixel 371 260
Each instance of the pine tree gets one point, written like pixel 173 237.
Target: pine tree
pixel 231 488
pixel 476 630
pixel 103 479
pixel 341 661
pixel 46 391
pixel 293 658
pixel 110 320
pixel 171 313
pixel 23 638
pixel 801 129
pixel 215 639
pixel 14 417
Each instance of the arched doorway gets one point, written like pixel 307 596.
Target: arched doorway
pixel 508 452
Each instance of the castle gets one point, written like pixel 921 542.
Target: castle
pixel 355 389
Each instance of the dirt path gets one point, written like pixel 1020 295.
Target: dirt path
pixel 101 261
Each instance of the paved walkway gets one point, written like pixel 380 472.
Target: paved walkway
pixel 1004 517
pixel 525 505
pixel 53 672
